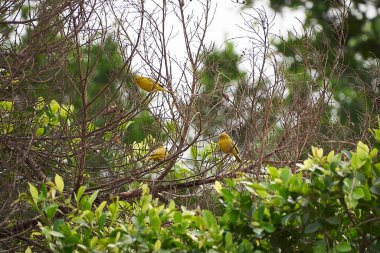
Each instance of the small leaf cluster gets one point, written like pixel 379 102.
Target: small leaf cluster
pixel 83 225
pixel 329 205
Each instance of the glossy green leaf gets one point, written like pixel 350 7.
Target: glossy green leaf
pixel 312 227
pixel 343 247
pixel 358 193
pixel 54 106
pixel 51 210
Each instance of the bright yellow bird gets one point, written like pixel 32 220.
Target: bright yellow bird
pixel 158 154
pixel 227 145
pixel 148 84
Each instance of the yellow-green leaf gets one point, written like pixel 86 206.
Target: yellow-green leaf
pixel 157 245
pixel 99 209
pixel 6 105
pixel 90 127
pixel 218 187
pixel 54 106
pixel 33 192
pixel 145 189
pixel 362 150
pixel 40 131
pixel 40 104
pixel 330 156
pixel 59 183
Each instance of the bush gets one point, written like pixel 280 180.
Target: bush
pixel 330 204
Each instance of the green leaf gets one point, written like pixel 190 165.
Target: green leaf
pixel 358 193
pixel 54 106
pixel 375 189
pixel 347 154
pixel 227 195
pixel 209 218
pixel 40 104
pixel 355 161
pixel 177 217
pixel 268 226
pixel 56 234
pixel 33 192
pixel 40 131
pixel 157 245
pixel 51 210
pixel 72 239
pixel 80 193
pixel 285 174
pixel 100 208
pixel 125 125
pixel 43 194
pixel 343 247
pixel 273 172
pixel 90 127
pixel 312 227
pixel 228 239
pixel 59 183
pixel 6 105
pixel 155 221
pixel 92 198
pixel 145 189
pixel 28 250
pixel 330 156
pixel 362 150
pixel 60 225
pixel 373 152
pixel 333 220
pixel 319 246
pixel 260 212
pixel 102 220
pixel 194 151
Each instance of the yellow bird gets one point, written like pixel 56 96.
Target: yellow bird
pixel 148 84
pixel 158 154
pixel 227 145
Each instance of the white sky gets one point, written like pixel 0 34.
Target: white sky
pixel 228 16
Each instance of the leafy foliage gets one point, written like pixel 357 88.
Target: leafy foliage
pixel 330 204
pixel 352 87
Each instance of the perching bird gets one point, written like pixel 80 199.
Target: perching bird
pixel 158 154
pixel 227 145
pixel 148 84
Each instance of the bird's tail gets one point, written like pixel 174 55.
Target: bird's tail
pixel 237 158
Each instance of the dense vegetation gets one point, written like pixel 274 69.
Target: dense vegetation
pixel 76 132
pixel 329 204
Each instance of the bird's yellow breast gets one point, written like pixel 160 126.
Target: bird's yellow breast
pixel 226 145
pixel 159 154
pixel 145 83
